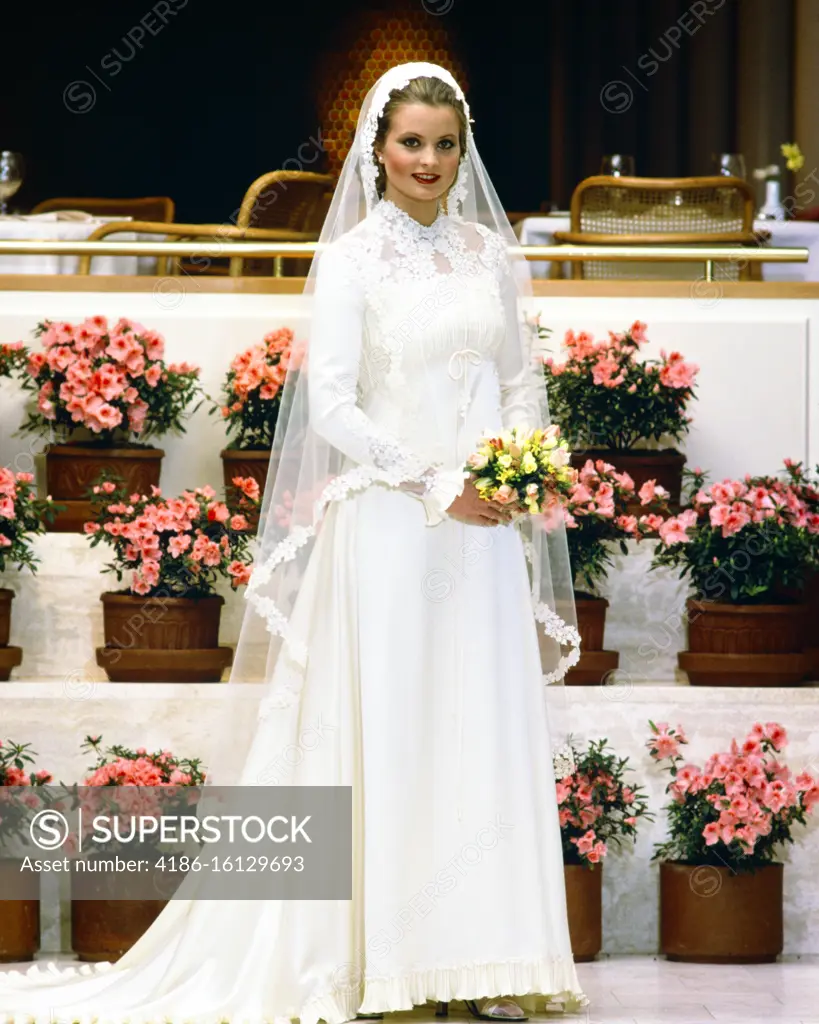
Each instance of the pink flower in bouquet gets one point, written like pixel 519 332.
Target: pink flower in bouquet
pixel 505 494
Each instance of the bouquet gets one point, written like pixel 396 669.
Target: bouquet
pixel 22 515
pixel 179 546
pixel 603 396
pixel 735 810
pixel 524 467
pixel 252 389
pixel 760 537
pixel 596 807
pixel 596 515
pixel 15 809
pixel 111 380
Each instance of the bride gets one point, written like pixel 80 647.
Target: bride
pixel 398 609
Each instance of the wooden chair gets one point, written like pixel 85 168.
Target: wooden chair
pixel 148 208
pixel 609 210
pixel 211 233
pixel 284 200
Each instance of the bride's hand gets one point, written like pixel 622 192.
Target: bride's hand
pixel 469 507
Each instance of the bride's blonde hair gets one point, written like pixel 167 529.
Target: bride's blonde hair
pixel 432 91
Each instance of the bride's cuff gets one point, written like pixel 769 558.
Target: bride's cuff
pixel 447 485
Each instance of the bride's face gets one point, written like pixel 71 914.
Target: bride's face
pixel 421 151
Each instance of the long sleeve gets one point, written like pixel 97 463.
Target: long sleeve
pixel 521 383
pixel 334 368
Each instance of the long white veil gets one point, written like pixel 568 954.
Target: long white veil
pixel 308 472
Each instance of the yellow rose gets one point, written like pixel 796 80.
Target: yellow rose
pixel 528 463
pixel 505 460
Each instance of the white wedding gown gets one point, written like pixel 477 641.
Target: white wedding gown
pixel 425 687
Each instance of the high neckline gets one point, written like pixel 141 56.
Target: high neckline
pixel 397 214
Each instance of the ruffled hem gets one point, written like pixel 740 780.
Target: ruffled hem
pixel 537 985
pixel 534 984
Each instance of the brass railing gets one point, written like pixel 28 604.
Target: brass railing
pixel 709 255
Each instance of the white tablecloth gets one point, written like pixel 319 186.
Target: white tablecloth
pixel 49 227
pixel 786 233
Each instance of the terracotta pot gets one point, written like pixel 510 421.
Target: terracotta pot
pixel 712 915
pixel 812 643
pixel 744 644
pixel 584 903
pixel 106 929
pixel 595 663
pixel 10 657
pixel 19 918
pixel 72 470
pixel 162 639
pixel 664 465
pixel 254 464
pixel 236 462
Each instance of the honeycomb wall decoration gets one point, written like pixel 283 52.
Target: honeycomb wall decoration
pixel 373 42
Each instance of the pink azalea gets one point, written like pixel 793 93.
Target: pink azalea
pixel 178 545
pixel 585 843
pixel 776 734
pixel 218 512
pixel 651 490
pixel 711 833
pixel 241 573
pixel 597 852
pixel 665 746
pixel 673 531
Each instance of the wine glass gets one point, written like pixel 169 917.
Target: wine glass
pixel 618 165
pixel 731 165
pixel 11 177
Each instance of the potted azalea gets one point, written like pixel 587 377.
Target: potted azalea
pixel 19 917
pixel 171 552
pixel 22 516
pixel 798 481
pixel 597 516
pixel 598 811
pixel 251 401
pixel 746 548
pixel 105 928
pixel 614 406
pixel 104 390
pixel 720 886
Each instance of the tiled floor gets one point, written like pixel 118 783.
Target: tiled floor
pixel 645 990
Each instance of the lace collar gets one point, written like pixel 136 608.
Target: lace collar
pixel 398 217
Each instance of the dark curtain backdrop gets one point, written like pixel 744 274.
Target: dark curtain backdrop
pixel 222 92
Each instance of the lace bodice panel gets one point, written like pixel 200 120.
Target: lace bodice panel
pixel 409 353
